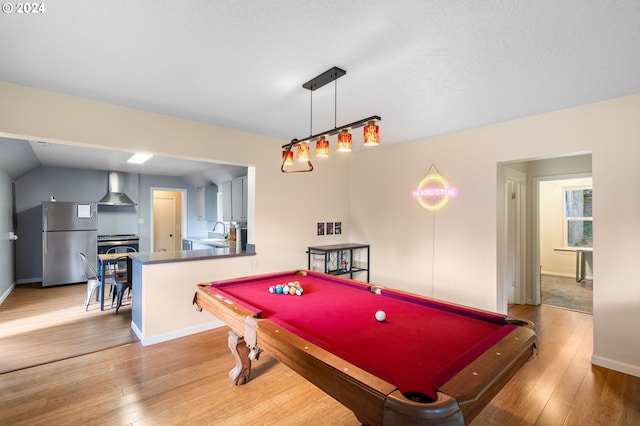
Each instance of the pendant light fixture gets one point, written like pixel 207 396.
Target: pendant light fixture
pixel 344 144
pixel 287 157
pixel 322 147
pixel 303 152
pixel 371 134
pixel 344 141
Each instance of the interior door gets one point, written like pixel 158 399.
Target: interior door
pixel 514 279
pixel 164 223
pixel 512 238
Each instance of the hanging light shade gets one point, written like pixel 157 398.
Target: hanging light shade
pixel 322 147
pixel 371 134
pixel 344 141
pixel 303 152
pixel 287 157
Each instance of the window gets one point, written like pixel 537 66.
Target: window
pixel 578 217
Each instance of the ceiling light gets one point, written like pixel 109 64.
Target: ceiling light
pixel 287 157
pixel 303 152
pixel 344 141
pixel 371 134
pixel 139 158
pixel 322 147
pixel 371 130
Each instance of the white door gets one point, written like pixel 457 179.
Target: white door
pixel 514 277
pixel 511 238
pixel 164 223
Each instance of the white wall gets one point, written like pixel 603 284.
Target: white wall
pixel 452 254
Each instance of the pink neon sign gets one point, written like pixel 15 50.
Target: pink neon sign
pixel 434 192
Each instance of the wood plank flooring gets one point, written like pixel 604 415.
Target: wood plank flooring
pixel 185 382
pixel 40 325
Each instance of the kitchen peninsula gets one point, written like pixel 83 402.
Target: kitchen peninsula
pixel 163 289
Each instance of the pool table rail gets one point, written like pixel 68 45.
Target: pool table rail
pixel 227 311
pixel 477 383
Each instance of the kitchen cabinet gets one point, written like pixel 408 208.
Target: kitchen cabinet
pixel 226 201
pixel 234 200
pixel 207 202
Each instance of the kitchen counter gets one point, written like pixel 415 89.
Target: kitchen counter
pixel 188 255
pixel 161 306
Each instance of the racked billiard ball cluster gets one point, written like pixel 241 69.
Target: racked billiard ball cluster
pixel 292 287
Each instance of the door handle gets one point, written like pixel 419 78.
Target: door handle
pixel 171 235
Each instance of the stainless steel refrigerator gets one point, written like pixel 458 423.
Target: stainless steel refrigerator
pixel 68 228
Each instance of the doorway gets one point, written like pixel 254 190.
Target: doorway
pixel 565 241
pixel 168 219
pixel 518 248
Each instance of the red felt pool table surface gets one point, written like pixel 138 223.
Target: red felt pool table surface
pixel 422 344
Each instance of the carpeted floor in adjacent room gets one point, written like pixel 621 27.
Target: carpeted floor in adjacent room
pixel 566 293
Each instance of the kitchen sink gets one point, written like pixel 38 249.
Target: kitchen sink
pixel 215 242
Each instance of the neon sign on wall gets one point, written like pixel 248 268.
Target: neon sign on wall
pixel 434 191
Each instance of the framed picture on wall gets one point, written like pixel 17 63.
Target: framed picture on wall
pixel 329 228
pixel 337 228
pixel 320 230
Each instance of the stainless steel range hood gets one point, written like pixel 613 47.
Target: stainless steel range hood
pixel 115 195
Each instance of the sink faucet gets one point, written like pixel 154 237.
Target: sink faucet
pixel 224 229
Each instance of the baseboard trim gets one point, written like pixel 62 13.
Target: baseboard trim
pixel 6 294
pixel 29 280
pixel 147 341
pixel 632 370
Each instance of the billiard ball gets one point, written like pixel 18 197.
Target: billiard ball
pixel 299 291
pixel 272 289
pixel 381 316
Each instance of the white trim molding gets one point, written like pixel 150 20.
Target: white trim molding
pixel 148 341
pixel 632 370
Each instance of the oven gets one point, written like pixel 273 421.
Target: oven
pixel 105 242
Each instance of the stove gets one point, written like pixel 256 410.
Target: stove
pixel 105 242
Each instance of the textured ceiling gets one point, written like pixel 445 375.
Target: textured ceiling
pixel 426 67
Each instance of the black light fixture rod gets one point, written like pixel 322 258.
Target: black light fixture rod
pixel 325 78
pixel 335 103
pixel 334 131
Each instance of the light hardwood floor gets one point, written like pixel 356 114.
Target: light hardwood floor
pixel 185 382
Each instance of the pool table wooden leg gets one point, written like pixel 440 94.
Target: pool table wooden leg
pixel 240 373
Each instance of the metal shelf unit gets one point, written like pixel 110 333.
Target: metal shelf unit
pixel 339 259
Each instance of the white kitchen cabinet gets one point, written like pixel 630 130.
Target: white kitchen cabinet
pixel 234 200
pixel 207 201
pixel 226 201
pixel 239 199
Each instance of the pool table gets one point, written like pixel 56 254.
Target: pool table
pixel 429 362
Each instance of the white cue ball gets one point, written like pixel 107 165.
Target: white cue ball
pixel 381 316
